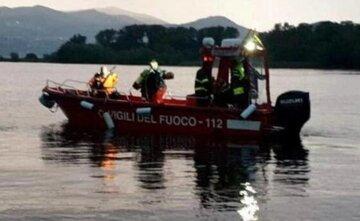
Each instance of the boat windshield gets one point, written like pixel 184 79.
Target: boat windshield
pixel 257 79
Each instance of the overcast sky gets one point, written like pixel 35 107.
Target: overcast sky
pixel 257 14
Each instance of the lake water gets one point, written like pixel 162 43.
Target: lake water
pixel 49 171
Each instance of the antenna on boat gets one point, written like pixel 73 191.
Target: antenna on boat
pixel 113 68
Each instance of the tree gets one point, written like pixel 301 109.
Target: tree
pixel 78 39
pixel 320 45
pixel 277 27
pixel 14 56
pixel 106 38
pixel 31 57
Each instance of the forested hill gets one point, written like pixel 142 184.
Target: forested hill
pixel 320 45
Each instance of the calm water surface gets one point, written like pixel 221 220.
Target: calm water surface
pixel 49 171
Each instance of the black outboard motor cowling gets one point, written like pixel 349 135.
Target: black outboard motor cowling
pixel 292 111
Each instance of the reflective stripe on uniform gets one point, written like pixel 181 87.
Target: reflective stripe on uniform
pixel 202 81
pixel 240 71
pixel 239 90
pixel 200 89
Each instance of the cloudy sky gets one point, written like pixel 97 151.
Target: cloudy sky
pixel 257 14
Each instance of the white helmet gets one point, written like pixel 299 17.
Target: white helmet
pixel 154 65
pixel 208 42
pixel 104 71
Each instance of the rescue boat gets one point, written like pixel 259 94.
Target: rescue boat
pixel 175 115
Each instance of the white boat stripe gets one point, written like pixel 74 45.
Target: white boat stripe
pixel 243 125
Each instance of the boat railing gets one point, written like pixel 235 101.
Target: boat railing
pixel 67 85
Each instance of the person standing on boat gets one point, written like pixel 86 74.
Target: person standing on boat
pixel 204 80
pixel 151 82
pixel 240 83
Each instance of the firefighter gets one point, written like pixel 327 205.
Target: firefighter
pixel 109 85
pixel 152 84
pixel 204 80
pixel 104 83
pixel 240 83
pixel 96 82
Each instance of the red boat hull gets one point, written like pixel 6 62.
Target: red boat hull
pixel 172 116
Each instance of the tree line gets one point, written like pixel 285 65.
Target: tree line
pixel 15 57
pixel 137 44
pixel 319 45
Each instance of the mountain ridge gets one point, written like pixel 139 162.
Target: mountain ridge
pixel 217 20
pixel 114 11
pixel 41 30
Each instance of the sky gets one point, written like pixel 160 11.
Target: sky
pixel 256 14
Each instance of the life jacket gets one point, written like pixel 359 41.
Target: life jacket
pixel 110 83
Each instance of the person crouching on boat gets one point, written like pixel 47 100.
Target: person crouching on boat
pixel 104 83
pixel 152 84
pixel 109 85
pixel 96 83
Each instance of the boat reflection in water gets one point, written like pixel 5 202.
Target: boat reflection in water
pixel 210 177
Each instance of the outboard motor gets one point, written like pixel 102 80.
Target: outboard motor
pixel 292 111
pixel 46 101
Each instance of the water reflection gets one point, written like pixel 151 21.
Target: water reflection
pixel 233 178
pixel 105 156
pixel 150 164
pixel 291 169
pixel 220 173
pixel 250 207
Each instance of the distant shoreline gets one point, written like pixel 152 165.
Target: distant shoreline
pixel 307 46
pixel 276 66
